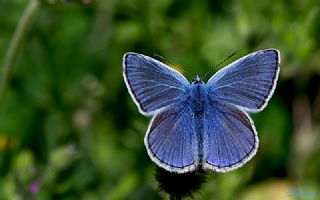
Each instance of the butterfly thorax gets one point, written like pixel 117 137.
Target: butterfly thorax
pixel 197 96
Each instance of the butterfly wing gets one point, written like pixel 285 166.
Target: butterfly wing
pixel 248 82
pixel 152 84
pixel 171 140
pixel 230 138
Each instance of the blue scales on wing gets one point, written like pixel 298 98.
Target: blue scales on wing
pixel 171 140
pixel 248 82
pixel 152 84
pixel 230 138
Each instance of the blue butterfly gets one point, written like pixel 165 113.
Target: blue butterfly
pixel 202 125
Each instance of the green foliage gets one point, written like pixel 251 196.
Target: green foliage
pixel 69 129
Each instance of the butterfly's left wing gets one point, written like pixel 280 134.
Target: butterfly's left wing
pixel 230 138
pixel 248 82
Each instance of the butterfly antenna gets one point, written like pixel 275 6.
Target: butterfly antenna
pixel 234 53
pixel 172 64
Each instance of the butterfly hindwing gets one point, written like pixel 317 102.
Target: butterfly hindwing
pixel 248 82
pixel 171 139
pixel 151 84
pixel 230 138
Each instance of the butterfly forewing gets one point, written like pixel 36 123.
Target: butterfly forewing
pixel 248 82
pixel 152 84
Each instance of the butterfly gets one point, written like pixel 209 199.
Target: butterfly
pixel 201 125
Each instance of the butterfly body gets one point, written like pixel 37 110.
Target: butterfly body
pixel 201 125
pixel 197 100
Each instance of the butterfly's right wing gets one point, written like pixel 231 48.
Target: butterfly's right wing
pixel 152 84
pixel 171 140
pixel 248 82
pixel 230 138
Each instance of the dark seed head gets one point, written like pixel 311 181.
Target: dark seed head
pixel 179 185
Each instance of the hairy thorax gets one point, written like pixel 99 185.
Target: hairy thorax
pixel 197 98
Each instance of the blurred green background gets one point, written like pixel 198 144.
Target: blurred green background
pixel 69 129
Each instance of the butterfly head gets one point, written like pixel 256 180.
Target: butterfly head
pixel 197 80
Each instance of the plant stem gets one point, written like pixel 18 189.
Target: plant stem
pixel 15 44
